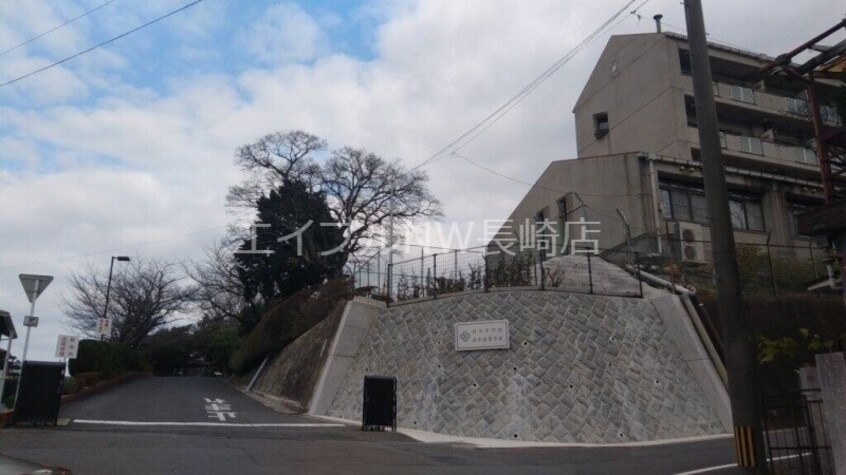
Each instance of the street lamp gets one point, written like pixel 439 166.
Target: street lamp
pixel 109 286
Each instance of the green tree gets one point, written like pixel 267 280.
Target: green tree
pixel 169 350
pixel 299 261
pixel 213 342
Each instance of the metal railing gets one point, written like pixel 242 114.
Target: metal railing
pixel 795 434
pixel 764 268
pixel 482 269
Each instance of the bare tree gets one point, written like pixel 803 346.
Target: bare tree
pixel 219 292
pixel 364 190
pixel 145 295
pixel 359 186
pixel 271 160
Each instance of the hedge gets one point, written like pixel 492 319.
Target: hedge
pixel 106 358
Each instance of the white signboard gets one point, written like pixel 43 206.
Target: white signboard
pixel 30 321
pixel 489 335
pixel 67 346
pixel 104 326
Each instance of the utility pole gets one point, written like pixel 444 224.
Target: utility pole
pixel 734 327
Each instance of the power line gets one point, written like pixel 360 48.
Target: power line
pixel 517 180
pixel 454 146
pixel 76 55
pixel 56 28
pixel 494 116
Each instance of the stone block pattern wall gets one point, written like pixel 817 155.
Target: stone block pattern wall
pixel 293 372
pixel 581 368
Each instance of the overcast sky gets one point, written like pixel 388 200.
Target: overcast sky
pixel 128 149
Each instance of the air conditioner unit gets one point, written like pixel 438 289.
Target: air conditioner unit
pixel 690 245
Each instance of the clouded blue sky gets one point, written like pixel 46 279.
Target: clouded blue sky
pixel 128 149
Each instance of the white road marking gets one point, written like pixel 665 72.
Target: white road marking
pixel 732 465
pixel 207 424
pixel 219 409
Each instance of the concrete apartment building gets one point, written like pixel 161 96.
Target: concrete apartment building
pixel 638 149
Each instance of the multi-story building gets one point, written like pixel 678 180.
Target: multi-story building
pixel 638 148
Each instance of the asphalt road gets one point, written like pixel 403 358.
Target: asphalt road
pixel 174 425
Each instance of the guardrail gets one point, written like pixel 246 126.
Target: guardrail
pixel 480 269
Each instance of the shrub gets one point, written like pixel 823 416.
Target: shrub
pixel 106 358
pixel 780 325
pixel 287 320
pixel 88 379
pixel 70 385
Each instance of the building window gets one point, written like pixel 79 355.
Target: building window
pixel 600 124
pixel 742 94
pixel 829 116
pixel 562 208
pixel 722 139
pixel 796 106
pixel 698 208
pixel 746 212
pixel 750 145
pixel 793 210
pixel 684 203
pixel 805 155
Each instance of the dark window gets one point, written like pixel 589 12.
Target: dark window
pixel 698 208
pixel 562 208
pixel 681 204
pixel 685 202
pixel 746 212
pixel 794 208
pixel 600 124
pixel 684 61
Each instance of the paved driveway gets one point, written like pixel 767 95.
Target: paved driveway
pixel 184 425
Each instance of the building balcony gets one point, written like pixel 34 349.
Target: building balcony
pixel 745 101
pixel 766 153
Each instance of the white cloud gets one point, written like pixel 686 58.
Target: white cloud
pixel 284 33
pixel 146 164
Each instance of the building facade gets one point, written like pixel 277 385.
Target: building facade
pixel 639 163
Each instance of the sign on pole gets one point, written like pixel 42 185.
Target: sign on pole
pixel 104 326
pixel 34 284
pixel 67 346
pixel 30 321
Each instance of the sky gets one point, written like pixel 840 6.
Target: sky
pixel 128 149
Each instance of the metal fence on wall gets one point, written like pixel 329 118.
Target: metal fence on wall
pixel 764 268
pixel 795 434
pixel 479 269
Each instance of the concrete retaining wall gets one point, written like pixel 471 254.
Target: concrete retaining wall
pixel 581 368
pixel 292 374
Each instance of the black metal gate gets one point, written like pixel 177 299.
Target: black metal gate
pixel 40 393
pixel 379 408
pixel 795 434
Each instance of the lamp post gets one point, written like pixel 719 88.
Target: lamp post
pixel 109 287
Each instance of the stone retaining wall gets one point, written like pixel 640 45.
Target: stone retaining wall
pixel 581 368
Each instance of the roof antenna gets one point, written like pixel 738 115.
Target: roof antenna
pixel 657 19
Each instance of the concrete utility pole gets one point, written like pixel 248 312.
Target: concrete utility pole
pixel 734 327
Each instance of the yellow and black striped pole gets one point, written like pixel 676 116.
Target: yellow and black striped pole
pixel 744 446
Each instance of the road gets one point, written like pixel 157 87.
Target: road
pixel 204 426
